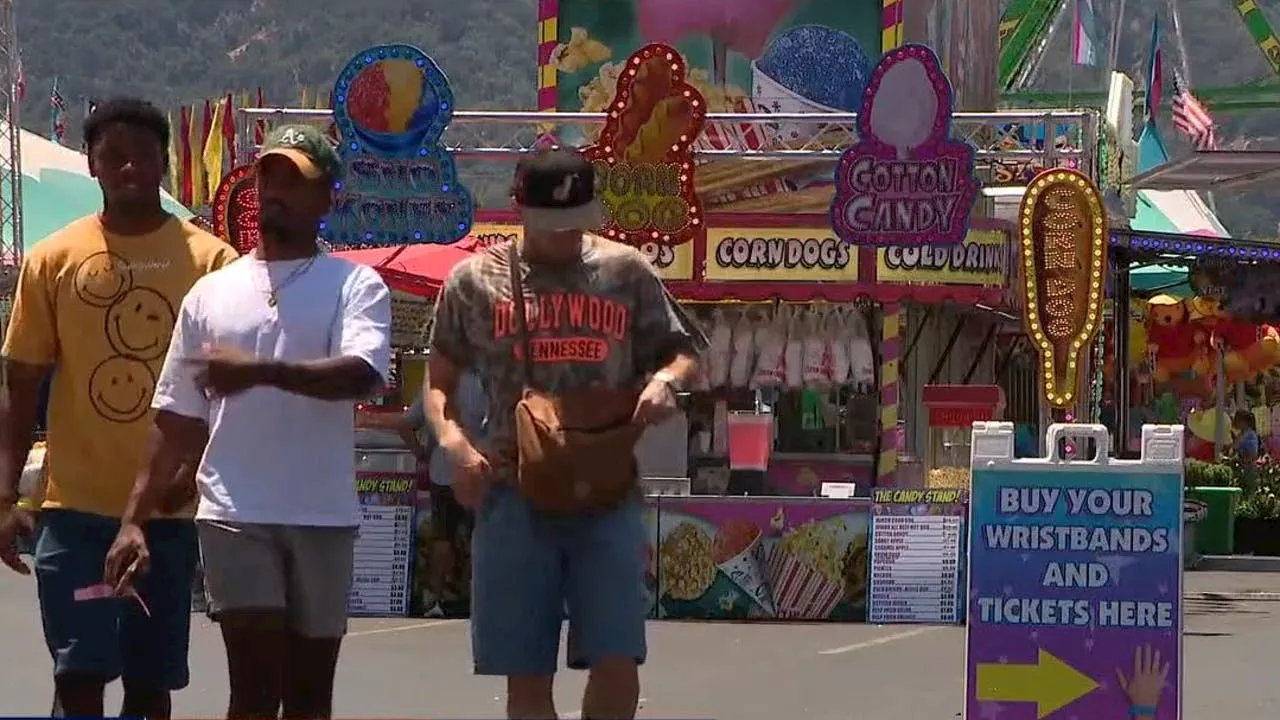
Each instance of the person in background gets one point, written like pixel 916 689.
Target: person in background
pixel 1247 447
pixel 448 516
pixel 530 567
pixel 268 358
pixel 94 306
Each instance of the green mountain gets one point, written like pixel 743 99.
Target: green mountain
pixel 178 52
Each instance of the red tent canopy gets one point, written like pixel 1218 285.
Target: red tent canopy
pixel 415 269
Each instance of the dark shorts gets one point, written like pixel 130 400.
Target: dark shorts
pixel 110 638
pixel 448 517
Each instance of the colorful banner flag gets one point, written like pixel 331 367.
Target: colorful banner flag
pixel 195 152
pixel 175 165
pixel 20 86
pixel 259 127
pixel 213 148
pixel 58 108
pixel 1085 26
pixel 229 128
pixel 184 147
pixel 1155 73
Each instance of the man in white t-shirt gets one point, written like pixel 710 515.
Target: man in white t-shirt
pixel 268 355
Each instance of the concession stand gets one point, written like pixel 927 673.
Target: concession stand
pixel 823 334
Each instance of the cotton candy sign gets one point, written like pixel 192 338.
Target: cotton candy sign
pixel 905 182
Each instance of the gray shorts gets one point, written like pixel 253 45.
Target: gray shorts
pixel 304 571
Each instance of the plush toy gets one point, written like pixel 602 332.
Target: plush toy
pixel 1169 337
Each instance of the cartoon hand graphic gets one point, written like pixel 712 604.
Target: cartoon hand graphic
pixel 1145 686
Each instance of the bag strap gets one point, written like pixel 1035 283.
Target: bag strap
pixel 522 323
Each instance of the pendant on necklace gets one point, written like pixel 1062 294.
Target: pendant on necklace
pixel 271 300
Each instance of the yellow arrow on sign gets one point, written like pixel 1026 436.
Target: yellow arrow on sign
pixel 1050 683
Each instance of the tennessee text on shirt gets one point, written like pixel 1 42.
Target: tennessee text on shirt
pixel 582 325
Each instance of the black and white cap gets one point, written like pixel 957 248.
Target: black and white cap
pixel 556 190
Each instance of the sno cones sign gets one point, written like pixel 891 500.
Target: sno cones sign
pixel 905 182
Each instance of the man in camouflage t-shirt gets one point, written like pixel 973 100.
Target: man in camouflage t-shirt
pixel 598 315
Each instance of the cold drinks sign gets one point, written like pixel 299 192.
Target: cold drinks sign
pixel 905 182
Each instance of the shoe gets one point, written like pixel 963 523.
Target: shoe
pixel 435 611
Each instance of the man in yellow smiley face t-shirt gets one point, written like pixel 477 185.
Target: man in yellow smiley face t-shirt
pixel 95 305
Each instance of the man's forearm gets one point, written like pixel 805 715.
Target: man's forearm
pixel 441 416
pixel 344 378
pixel 17 434
pixel 167 453
pixel 683 367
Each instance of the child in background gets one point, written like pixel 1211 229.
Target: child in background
pixel 1247 448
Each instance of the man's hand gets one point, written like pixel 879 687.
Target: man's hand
pixel 471 472
pixel 14 523
pixel 222 372
pixel 127 557
pixel 656 403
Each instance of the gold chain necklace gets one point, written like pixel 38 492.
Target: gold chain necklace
pixel 273 293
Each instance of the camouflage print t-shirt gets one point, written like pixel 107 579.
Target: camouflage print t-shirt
pixel 606 321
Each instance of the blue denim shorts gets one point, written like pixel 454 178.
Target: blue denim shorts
pixel 530 568
pixel 109 638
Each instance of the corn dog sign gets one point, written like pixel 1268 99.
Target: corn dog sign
pixel 643 159
pixel 235 209
pixel 905 182
pixel 671 262
pixel 1062 233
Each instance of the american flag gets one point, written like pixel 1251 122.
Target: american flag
pixel 1191 118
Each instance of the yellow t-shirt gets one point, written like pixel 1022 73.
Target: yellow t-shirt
pixel 100 308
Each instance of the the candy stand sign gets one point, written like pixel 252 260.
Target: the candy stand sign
pixel 905 182
pixel 235 208
pixel 643 159
pixel 400 183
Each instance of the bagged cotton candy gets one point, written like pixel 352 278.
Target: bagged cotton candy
pixel 862 362
pixel 817 350
pixel 793 353
pixel 771 342
pixel 719 350
pixel 743 361
pixel 838 325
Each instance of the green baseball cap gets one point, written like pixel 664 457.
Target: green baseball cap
pixel 306 147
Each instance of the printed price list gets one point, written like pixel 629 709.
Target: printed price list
pixel 384 546
pixel 915 574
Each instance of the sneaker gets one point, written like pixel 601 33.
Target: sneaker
pixel 435 611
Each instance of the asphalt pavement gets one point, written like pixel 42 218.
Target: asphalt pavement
pixel 422 668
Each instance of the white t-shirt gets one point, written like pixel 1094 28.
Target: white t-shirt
pixel 275 457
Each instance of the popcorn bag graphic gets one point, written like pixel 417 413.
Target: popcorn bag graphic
pixel 803 573
pixel 643 158
pixel 739 553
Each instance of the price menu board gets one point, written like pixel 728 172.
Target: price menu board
pixel 385 546
pixel 916 548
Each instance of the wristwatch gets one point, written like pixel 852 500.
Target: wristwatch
pixel 668 378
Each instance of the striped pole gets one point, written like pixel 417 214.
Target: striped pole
pixel 890 354
pixel 548 13
pixel 891 25
pixel 892 314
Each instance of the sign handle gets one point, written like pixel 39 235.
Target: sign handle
pixel 1098 433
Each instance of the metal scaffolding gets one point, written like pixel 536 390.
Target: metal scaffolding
pixel 1067 137
pixel 10 147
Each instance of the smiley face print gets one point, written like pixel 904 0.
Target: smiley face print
pixel 139 324
pixel 101 278
pixel 121 388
